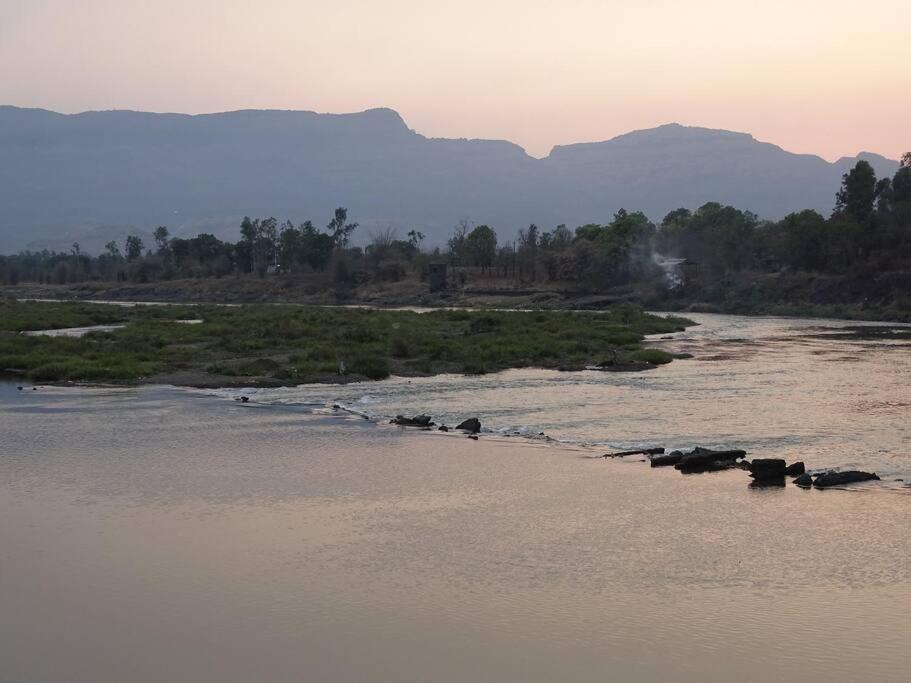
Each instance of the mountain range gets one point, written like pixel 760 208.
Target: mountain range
pixel 97 176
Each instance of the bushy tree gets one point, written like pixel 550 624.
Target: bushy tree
pixel 481 246
pixel 857 193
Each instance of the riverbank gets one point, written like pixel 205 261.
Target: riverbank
pixel 879 296
pixel 206 539
pixel 276 345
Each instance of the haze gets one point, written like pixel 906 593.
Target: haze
pixel 827 77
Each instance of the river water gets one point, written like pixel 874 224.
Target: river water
pixel 164 534
pixel 776 387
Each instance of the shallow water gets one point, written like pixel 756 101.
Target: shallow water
pixel 771 386
pixel 159 534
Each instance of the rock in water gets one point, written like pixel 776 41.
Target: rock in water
pixel 828 479
pixel 804 481
pixel 443 428
pixel 707 460
pixel 671 458
pixel 768 468
pixel 472 424
pixel 795 469
pixel 416 421
pixel 641 451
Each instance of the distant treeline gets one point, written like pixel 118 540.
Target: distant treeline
pixel 870 228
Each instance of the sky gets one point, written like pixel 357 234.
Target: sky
pixel 827 77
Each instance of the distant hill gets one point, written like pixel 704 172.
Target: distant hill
pixel 97 176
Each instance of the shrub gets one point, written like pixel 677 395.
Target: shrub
pixel 653 356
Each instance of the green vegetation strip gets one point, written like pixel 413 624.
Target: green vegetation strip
pixel 279 344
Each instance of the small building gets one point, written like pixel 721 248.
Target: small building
pixel 436 276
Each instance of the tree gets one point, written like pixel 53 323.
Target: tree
pixel 162 238
pixel 481 246
pixel 456 242
pixel 901 183
pixel 906 160
pixel 316 246
pixel 339 229
pixel 528 248
pixel 133 248
pixel 415 238
pixel 857 193
pixel 112 249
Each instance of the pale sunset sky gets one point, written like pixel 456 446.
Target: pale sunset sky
pixel 829 77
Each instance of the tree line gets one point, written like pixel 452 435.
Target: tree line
pixel 870 228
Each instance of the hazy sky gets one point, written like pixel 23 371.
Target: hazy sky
pixel 831 77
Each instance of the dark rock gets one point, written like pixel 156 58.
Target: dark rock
pixel 443 428
pixel 416 421
pixel 244 399
pixel 643 451
pixel 473 436
pixel 768 468
pixel 472 424
pixel 804 480
pixel 795 469
pixel 667 460
pixel 829 479
pixel 707 460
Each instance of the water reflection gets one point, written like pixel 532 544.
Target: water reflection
pixel 159 534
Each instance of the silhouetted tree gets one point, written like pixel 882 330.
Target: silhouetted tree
pixel 133 248
pixel 858 192
pixel 340 229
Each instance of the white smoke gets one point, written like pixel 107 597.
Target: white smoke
pixel 672 268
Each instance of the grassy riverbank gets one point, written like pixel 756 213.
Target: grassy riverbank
pixel 283 344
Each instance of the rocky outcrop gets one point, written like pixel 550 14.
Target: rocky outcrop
pixel 768 468
pixel 641 451
pixel 472 424
pixel 708 460
pixel 804 481
pixel 666 460
pixel 795 469
pixel 416 421
pixel 829 479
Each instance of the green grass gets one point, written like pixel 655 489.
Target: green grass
pixel 294 344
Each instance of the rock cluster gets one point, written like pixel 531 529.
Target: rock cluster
pixel 764 471
pixel 472 425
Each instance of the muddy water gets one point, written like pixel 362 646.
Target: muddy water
pixel 157 534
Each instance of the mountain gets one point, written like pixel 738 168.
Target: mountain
pixel 97 176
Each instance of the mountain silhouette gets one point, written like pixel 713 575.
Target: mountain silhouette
pixel 97 176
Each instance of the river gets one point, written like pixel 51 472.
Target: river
pixel 776 387
pixel 167 534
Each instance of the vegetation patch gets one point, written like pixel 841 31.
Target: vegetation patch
pixel 299 344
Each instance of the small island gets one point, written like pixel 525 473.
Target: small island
pixel 275 345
